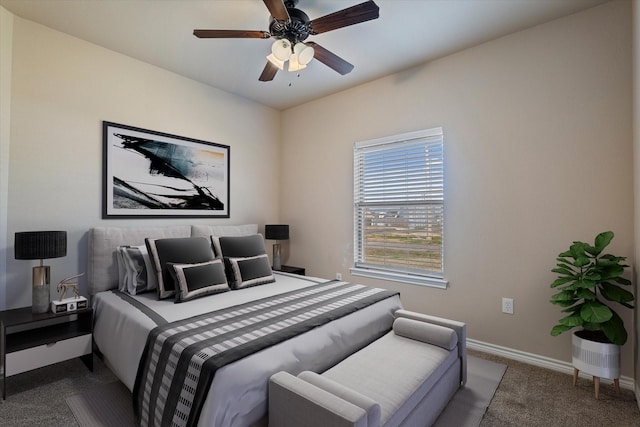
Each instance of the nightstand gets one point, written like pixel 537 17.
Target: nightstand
pixel 30 341
pixel 290 269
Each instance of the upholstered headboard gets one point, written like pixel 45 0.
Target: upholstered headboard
pixel 103 242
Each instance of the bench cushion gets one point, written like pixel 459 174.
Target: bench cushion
pixel 405 370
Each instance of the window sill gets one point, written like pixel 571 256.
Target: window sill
pixel 433 282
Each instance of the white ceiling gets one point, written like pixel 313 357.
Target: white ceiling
pixel 408 33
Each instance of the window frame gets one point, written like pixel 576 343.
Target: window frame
pixel 421 277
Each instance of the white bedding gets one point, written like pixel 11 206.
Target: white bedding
pixel 239 390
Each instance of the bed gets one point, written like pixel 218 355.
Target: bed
pixel 237 395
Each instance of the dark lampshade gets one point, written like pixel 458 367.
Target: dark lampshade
pixel 276 232
pixel 40 244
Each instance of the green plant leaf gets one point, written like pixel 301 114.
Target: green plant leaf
pixel 577 250
pixel 602 241
pixel 571 321
pixel 611 272
pixel 592 326
pixel 591 251
pixel 594 277
pixel 563 296
pixel 564 262
pixel 595 312
pixel 615 293
pixel 581 261
pixel 559 329
pixel 585 294
pixel 563 270
pixel 564 303
pixel 581 284
pixel 622 281
pixel 614 330
pixel 613 258
pixel 561 281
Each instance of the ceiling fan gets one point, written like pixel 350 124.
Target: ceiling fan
pixel 291 27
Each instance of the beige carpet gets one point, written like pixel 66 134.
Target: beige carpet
pixel 110 404
pixel 536 397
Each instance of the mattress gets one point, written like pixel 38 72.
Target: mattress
pixel 238 393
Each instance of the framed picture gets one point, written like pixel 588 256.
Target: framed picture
pixel 151 174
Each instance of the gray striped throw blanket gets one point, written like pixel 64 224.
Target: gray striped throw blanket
pixel 181 358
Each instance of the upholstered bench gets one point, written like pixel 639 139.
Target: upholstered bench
pixel 406 377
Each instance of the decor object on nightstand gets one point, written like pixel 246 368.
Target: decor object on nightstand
pixel 76 302
pixel 40 245
pixel 586 279
pixel 276 232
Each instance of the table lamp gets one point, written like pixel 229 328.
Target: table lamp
pixel 276 232
pixel 40 245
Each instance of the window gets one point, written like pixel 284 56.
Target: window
pixel 399 208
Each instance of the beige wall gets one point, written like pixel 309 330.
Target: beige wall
pixel 636 158
pixel 6 37
pixel 538 152
pixel 62 89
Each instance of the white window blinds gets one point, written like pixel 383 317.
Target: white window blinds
pixel 399 203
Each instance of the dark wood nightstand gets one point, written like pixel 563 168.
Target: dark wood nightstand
pixel 30 341
pixel 290 269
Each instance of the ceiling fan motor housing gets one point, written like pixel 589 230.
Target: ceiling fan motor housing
pixel 296 29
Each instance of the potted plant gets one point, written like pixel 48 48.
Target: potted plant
pixel 586 279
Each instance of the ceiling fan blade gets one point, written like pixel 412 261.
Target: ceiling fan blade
pixel 277 9
pixel 343 18
pixel 330 59
pixel 268 73
pixel 231 34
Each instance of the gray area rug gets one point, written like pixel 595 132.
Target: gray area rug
pixel 470 403
pixel 110 404
pixel 107 405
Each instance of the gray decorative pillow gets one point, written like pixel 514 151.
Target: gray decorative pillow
pixel 135 271
pixel 249 271
pixel 182 250
pixel 197 280
pixel 122 269
pixel 238 246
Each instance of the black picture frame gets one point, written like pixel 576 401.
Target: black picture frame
pixel 149 174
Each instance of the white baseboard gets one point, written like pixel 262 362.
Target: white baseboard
pixel 543 362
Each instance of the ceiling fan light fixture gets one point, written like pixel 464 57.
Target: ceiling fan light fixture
pixel 281 49
pixel 275 61
pixel 304 53
pixel 294 64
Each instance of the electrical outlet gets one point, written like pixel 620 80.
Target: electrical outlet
pixel 338 276
pixel 507 305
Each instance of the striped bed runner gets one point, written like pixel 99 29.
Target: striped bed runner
pixel 180 358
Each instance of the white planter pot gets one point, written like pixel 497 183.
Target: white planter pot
pixel 595 358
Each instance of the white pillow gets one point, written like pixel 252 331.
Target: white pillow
pixel 140 276
pixel 122 270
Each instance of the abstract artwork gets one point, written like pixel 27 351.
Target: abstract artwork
pixel 151 174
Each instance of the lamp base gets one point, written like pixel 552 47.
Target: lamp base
pixel 276 257
pixel 40 299
pixel 40 295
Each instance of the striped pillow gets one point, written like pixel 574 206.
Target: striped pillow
pixel 197 280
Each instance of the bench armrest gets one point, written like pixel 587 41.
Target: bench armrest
pixel 295 402
pixel 371 407
pixel 459 327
